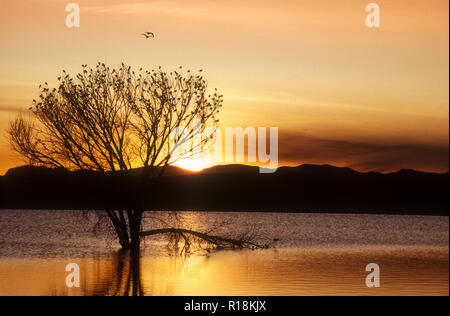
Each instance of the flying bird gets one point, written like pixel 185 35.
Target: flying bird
pixel 148 34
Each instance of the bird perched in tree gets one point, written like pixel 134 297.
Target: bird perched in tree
pixel 148 34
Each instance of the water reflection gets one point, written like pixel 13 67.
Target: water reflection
pixel 404 271
pixel 317 254
pixel 125 277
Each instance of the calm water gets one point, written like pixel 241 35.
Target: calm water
pixel 320 254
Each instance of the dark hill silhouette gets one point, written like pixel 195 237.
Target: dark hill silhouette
pixel 410 172
pixel 318 170
pixel 36 171
pixel 306 188
pixel 305 169
pixel 231 169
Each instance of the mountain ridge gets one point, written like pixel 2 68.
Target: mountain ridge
pixel 302 169
pixel 306 188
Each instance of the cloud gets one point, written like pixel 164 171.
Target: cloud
pixel 295 148
pixel 7 108
pixel 171 8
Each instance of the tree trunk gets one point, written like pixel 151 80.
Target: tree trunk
pixel 134 222
pixel 120 226
pixel 128 231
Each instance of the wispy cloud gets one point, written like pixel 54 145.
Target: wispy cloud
pixel 7 108
pixel 297 148
pixel 168 8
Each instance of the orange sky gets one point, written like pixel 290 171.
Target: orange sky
pixel 340 93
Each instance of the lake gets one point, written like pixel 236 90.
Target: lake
pixel 310 254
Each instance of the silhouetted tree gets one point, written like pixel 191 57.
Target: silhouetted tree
pixel 107 120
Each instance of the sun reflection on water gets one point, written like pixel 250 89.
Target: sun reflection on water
pixel 405 271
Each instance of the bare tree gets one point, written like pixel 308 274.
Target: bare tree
pixel 108 120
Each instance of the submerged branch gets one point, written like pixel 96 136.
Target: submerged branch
pixel 216 241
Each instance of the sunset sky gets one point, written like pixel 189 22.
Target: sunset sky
pixel 339 92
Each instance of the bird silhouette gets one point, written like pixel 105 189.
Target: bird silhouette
pixel 148 34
